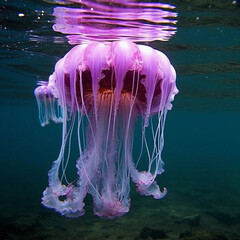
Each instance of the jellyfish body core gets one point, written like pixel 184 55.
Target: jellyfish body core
pixel 101 91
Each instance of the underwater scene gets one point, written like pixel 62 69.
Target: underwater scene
pixel 120 119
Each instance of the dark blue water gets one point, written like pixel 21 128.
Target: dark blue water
pixel 202 142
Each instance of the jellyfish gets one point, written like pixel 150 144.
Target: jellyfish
pixel 101 92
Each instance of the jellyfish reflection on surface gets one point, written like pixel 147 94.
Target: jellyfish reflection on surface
pixel 103 90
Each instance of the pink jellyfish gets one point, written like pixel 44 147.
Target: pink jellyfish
pixel 100 92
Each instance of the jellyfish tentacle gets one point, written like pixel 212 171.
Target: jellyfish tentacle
pixel 161 122
pixel 79 117
pixel 128 138
pixel 142 146
pixel 73 204
pixel 65 162
pixel 145 180
pixel 85 178
pixel 109 121
pixel 84 109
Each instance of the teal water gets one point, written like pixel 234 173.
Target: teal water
pixel 202 142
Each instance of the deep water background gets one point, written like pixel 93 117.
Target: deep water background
pixel 202 142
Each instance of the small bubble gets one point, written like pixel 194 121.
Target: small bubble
pixel 197 18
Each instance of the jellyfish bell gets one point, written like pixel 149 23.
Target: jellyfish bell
pixel 103 90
